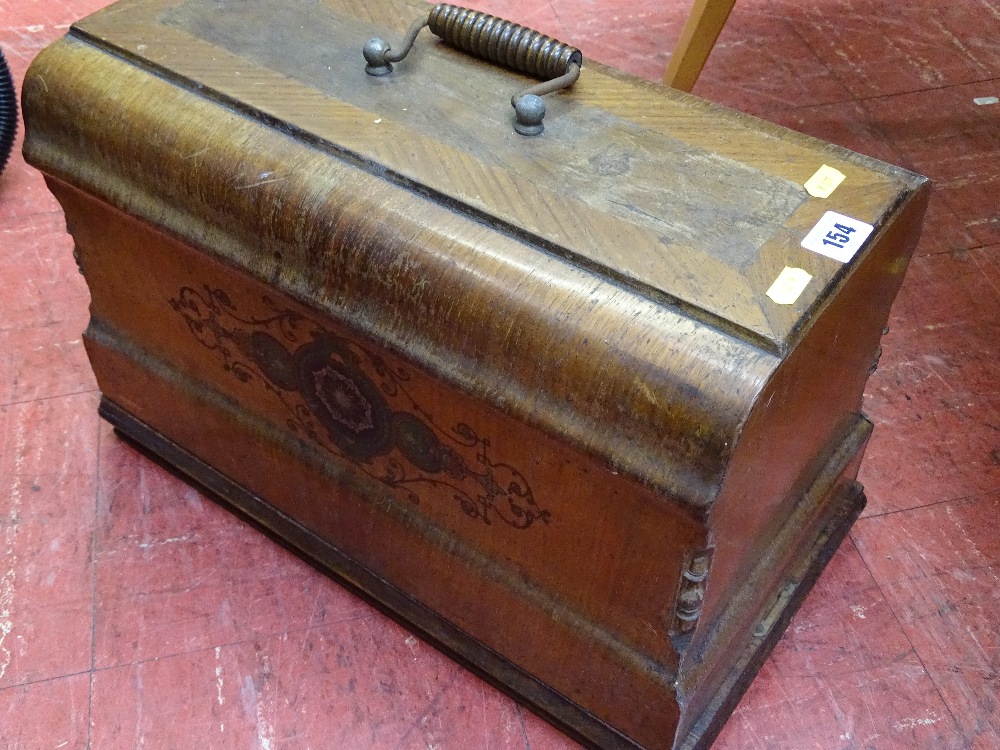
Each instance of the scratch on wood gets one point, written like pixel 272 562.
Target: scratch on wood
pixel 261 182
pixel 647 391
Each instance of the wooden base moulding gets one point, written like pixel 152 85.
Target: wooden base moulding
pixel 842 505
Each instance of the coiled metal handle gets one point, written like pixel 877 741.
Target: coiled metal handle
pixel 499 41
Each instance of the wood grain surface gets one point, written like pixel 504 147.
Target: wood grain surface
pixel 533 384
pixel 688 238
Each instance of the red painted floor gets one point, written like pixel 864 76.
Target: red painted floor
pixel 136 614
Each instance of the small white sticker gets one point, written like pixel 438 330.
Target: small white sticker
pixel 982 101
pixel 824 182
pixel 837 236
pixel 789 285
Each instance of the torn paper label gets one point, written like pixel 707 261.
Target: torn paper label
pixel 824 182
pixel 789 285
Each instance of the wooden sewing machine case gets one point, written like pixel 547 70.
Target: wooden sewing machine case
pixel 530 394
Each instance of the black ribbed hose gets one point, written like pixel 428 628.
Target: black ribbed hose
pixel 8 112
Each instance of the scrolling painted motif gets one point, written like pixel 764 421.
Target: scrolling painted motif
pixel 321 380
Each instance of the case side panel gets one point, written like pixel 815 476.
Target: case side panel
pixel 806 414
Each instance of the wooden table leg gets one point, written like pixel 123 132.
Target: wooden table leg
pixel 698 36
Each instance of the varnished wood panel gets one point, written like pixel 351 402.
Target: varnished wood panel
pixel 473 363
pixel 404 270
pixel 688 239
